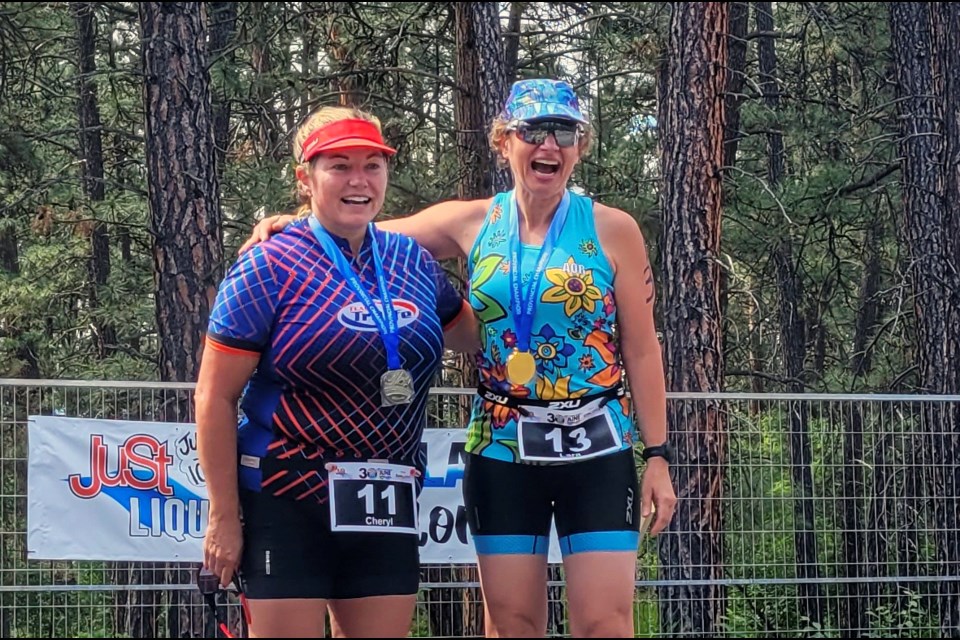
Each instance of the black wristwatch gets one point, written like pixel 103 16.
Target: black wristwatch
pixel 664 451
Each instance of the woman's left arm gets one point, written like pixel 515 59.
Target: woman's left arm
pixel 634 293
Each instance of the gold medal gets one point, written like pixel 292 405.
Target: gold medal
pixel 521 367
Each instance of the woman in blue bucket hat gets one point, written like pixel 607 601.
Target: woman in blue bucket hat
pixel 564 293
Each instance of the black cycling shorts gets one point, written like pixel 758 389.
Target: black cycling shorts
pixel 289 551
pixel 595 504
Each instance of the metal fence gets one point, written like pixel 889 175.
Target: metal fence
pixel 799 515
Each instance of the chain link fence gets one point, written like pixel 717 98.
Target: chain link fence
pixel 798 515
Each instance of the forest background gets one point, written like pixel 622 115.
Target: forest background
pixel 795 168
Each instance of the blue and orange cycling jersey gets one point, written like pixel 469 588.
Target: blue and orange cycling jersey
pixel 315 395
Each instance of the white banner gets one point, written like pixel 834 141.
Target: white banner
pixel 133 491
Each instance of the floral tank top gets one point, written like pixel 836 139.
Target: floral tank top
pixel 572 336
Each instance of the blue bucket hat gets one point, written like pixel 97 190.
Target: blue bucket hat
pixel 541 98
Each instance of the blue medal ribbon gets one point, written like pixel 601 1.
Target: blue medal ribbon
pixel 524 301
pixel 385 316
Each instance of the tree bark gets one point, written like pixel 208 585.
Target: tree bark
pixel 733 98
pixel 511 44
pixel 9 252
pixel 185 218
pixel 482 88
pixel 945 418
pixel 736 79
pixel 91 147
pixel 691 117
pixel 183 190
pixel 860 553
pixel 793 339
pixel 926 59
pixel 223 24
pixel 267 127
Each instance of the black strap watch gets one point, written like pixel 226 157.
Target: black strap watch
pixel 664 451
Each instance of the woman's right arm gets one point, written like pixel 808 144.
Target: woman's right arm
pixel 446 229
pixel 222 378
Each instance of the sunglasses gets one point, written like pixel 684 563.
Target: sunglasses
pixel 566 134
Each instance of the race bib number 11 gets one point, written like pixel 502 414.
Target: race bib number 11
pixel 372 496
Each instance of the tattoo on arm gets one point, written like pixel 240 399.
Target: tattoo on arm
pixel 648 282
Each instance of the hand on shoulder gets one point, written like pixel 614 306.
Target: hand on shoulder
pixel 266 228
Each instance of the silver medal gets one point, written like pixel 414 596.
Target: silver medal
pixel 396 387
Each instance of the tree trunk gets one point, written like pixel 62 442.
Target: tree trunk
pixel 926 59
pixel 263 85
pixel 9 252
pixel 182 183
pixel 91 141
pixel 511 42
pixel 733 98
pixel 91 146
pixel 868 310
pixel 855 550
pixel 183 192
pixel 945 19
pixel 223 24
pixel 881 507
pixel 736 79
pixel 482 89
pixel 922 183
pixel 347 79
pixel 691 117
pixel 98 265
pixel 793 339
pixel 859 555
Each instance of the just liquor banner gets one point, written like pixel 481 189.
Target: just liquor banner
pixel 130 490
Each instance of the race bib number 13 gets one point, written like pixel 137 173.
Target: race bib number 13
pixel 555 436
pixel 372 496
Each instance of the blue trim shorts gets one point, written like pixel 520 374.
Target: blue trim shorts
pixel 595 504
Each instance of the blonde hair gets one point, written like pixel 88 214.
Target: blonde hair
pixel 499 133
pixel 321 117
